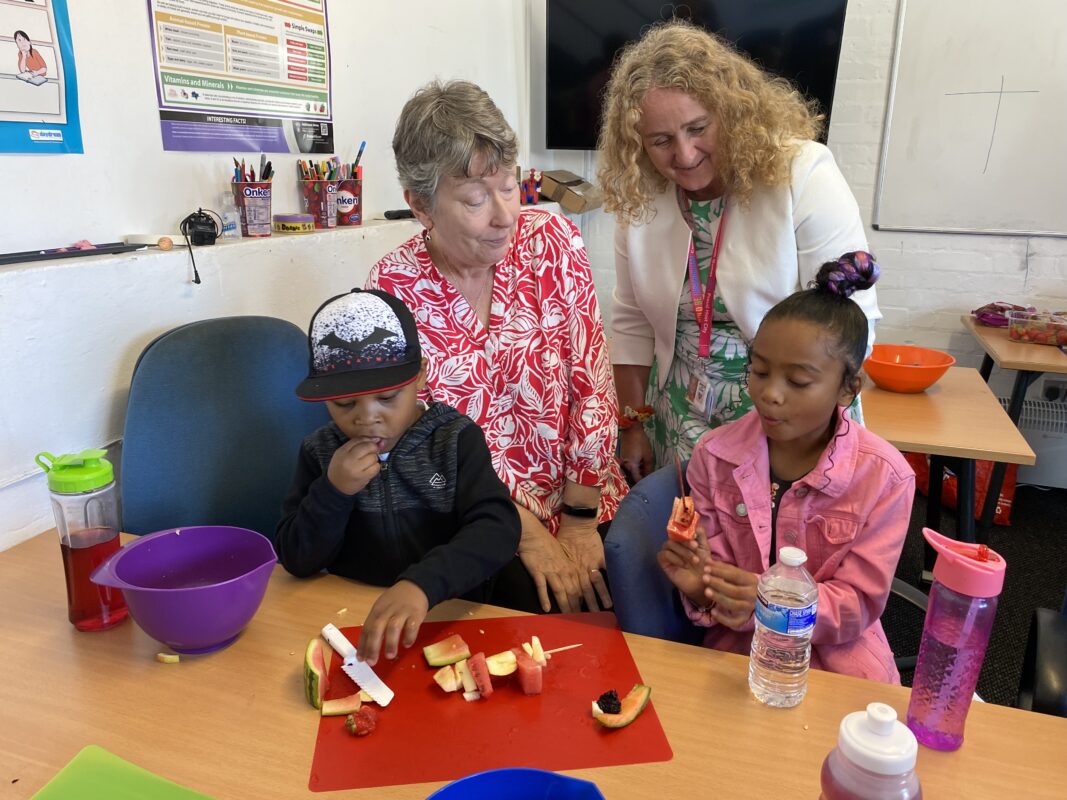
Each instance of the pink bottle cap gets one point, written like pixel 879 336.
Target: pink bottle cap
pixel 965 567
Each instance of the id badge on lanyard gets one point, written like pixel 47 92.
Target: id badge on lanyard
pixel 699 395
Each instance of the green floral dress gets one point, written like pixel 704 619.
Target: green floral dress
pixel 675 427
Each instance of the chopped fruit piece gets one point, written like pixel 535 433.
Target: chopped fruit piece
pixel 446 651
pixel 538 652
pixel 682 526
pixel 480 672
pixel 362 722
pixel 530 675
pixel 528 648
pixel 447 679
pixel 630 706
pixel 471 696
pixel 609 702
pixel 316 675
pixel 465 677
pixel 366 698
pixel 341 706
pixel 501 664
pixel 168 658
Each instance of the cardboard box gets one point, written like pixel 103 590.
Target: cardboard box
pixel 575 194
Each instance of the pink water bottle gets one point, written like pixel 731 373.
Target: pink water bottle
pixel 963 601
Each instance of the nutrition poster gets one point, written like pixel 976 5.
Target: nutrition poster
pixel 38 82
pixel 242 75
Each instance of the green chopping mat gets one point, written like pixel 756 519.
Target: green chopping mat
pixel 96 774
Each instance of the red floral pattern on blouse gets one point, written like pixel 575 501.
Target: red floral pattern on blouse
pixel 539 381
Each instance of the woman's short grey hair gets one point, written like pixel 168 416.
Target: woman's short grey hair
pixel 442 129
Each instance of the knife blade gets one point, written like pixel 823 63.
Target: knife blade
pixel 360 672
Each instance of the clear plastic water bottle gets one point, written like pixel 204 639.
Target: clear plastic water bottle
pixel 874 759
pixel 231 217
pixel 968 579
pixel 786 602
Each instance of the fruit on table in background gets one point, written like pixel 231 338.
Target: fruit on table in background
pixel 362 722
pixel 316 675
pixel 446 651
pixel 1038 328
pixel 530 674
pixel 480 672
pixel 340 706
pixel 629 707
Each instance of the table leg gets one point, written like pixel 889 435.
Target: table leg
pixel 1023 379
pixel 964 468
pixel 933 515
pixel 987 367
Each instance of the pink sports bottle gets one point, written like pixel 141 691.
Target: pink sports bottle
pixel 963 601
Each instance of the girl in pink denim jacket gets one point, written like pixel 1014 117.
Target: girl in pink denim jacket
pixel 798 471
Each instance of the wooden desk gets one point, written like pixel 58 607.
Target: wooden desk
pixel 955 421
pixel 1030 362
pixel 234 724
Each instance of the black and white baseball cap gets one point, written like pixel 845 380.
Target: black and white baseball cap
pixel 360 342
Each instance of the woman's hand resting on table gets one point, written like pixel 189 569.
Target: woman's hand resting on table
pixel 395 618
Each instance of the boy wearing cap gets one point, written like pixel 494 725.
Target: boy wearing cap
pixel 391 492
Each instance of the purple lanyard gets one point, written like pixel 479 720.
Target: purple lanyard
pixel 704 301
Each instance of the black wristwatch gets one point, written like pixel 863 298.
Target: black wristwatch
pixel 580 511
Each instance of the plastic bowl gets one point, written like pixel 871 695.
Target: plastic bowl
pixel 194 589
pixel 518 783
pixel 906 368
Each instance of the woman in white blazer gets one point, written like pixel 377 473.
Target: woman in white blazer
pixel 724 205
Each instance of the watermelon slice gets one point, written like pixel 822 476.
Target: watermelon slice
pixel 682 526
pixel 341 706
pixel 632 705
pixel 316 674
pixel 480 672
pixel 446 651
pixel 530 675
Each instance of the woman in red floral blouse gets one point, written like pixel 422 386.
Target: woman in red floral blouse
pixel 512 333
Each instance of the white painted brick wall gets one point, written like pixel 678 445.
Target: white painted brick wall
pixel 928 279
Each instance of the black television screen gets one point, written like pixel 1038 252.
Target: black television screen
pixel 797 39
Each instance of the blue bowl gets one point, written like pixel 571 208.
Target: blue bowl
pixel 518 783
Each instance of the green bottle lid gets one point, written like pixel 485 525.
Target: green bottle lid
pixel 75 473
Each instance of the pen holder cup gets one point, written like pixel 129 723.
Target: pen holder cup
pixel 350 199
pixel 319 198
pixel 252 199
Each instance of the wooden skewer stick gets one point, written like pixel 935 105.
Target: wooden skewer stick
pixel 561 649
pixel 681 480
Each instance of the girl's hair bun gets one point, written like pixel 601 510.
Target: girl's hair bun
pixel 850 273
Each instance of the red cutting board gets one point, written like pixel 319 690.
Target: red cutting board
pixel 426 734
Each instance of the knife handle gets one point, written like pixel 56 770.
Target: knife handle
pixel 338 642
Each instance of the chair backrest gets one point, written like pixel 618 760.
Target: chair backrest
pixel 213 425
pixel 645 601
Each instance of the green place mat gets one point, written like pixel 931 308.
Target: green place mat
pixel 96 774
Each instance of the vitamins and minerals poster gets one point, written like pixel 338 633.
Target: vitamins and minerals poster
pixel 38 81
pixel 242 75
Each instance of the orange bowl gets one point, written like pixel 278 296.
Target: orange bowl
pixel 906 368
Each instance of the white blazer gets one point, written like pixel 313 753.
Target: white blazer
pixel 770 249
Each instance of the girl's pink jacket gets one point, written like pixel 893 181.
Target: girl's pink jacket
pixel 850 515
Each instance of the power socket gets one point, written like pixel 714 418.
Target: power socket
pixel 1054 390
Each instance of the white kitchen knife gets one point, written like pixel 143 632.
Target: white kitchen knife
pixel 359 671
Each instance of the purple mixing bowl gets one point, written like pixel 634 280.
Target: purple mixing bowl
pixel 194 589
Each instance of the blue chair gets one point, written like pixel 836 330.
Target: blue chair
pixel 645 601
pixel 213 425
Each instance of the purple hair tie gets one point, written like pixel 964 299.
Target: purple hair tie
pixel 854 270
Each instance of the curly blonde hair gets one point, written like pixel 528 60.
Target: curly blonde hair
pixel 762 119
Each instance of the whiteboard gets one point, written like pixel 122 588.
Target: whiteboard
pixel 975 137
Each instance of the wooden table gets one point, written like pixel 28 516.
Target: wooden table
pixel 1030 361
pixel 234 724
pixel 955 421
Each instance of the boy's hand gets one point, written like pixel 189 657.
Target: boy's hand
pixel 683 563
pixel 734 592
pixel 353 466
pixel 399 611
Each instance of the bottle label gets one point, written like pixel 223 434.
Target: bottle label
pixel 786 620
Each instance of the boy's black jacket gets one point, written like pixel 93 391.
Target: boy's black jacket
pixel 436 515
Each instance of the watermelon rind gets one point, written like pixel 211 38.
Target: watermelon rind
pixel 632 705
pixel 342 705
pixel 446 651
pixel 316 680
